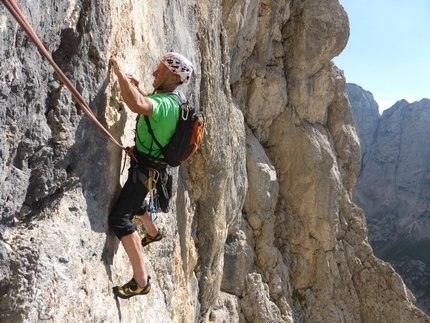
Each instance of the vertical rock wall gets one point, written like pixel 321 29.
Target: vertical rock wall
pixel 392 188
pixel 262 227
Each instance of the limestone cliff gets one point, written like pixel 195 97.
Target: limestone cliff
pixel 262 227
pixel 393 186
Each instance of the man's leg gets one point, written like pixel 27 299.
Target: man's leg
pixel 120 220
pixel 151 227
pixel 133 248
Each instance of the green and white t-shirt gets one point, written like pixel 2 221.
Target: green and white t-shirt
pixel 164 118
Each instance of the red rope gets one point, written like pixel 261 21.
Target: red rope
pixel 19 17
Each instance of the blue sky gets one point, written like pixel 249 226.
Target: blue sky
pixel 388 52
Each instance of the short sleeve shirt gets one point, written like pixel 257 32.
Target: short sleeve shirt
pixel 164 118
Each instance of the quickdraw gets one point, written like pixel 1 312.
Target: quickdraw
pixel 153 177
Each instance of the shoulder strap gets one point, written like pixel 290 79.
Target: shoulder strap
pixel 148 124
pixel 180 97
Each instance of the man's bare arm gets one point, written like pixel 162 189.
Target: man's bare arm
pixel 134 99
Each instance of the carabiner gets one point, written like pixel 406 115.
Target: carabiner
pixel 185 110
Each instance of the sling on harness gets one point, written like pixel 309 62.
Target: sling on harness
pixel 153 177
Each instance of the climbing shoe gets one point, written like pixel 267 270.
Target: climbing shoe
pixel 131 289
pixel 147 239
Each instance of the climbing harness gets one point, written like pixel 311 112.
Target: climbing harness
pixel 153 177
pixel 157 178
pixel 19 17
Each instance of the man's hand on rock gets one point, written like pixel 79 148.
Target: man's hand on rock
pixel 117 70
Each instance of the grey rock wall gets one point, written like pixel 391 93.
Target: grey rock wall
pixel 262 226
pixel 393 186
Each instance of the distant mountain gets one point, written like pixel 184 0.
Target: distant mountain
pixel 393 186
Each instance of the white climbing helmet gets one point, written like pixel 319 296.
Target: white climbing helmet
pixel 178 64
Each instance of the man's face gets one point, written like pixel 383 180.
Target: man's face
pixel 160 75
pixel 163 76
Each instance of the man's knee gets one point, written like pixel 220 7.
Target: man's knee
pixel 121 225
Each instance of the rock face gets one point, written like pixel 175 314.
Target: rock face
pixel 393 187
pixel 262 226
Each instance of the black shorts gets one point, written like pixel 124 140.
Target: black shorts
pixel 130 202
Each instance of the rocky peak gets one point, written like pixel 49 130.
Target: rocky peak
pixel 366 116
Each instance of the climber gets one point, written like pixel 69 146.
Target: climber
pixel 173 70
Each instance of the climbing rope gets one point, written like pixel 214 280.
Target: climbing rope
pixel 19 17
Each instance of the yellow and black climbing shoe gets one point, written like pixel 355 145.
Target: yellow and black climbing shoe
pixel 131 289
pixel 147 239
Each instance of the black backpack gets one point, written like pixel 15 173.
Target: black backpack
pixel 188 135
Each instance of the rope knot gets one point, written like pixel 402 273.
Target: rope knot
pixel 130 152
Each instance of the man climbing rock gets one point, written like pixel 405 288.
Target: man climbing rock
pixel 162 109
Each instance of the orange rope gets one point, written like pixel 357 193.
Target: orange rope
pixel 19 17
